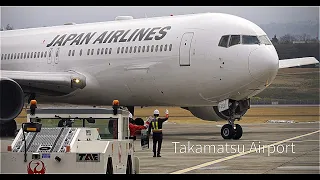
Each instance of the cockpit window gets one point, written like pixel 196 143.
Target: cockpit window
pixel 224 41
pixel 250 40
pixel 264 40
pixel 235 39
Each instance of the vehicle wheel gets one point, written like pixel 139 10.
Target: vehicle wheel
pixel 227 131
pixel 129 165
pixel 109 166
pixel 238 132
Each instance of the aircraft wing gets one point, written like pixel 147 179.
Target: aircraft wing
pixel 285 63
pixel 47 83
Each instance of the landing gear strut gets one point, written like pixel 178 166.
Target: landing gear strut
pixel 231 130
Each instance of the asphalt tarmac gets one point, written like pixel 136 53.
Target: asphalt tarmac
pixel 268 148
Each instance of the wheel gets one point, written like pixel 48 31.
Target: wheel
pixel 109 166
pixel 238 132
pixel 227 131
pixel 129 165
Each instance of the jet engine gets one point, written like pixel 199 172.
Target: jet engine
pixel 235 111
pixel 12 99
pixel 209 113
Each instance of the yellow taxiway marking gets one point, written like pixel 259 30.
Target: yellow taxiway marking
pixel 239 154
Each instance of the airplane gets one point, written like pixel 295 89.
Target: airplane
pixel 209 63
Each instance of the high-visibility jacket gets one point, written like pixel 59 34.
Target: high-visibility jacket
pixel 156 125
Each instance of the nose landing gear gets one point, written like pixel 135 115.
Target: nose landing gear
pixel 231 130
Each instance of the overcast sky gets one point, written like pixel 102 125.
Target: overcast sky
pixel 37 16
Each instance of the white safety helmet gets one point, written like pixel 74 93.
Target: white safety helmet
pixel 156 111
pixel 130 115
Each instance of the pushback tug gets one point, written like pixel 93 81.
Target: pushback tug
pixel 72 140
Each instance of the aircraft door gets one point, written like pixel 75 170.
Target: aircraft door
pixel 56 57
pixel 49 56
pixel 185 46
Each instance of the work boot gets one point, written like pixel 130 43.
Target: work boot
pixel 158 155
pixel 154 155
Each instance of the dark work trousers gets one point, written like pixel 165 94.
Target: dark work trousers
pixel 157 138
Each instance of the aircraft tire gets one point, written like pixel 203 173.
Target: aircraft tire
pixel 238 132
pixel 227 132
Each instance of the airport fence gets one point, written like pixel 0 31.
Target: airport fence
pixel 283 101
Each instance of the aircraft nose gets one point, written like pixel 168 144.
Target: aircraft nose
pixel 263 64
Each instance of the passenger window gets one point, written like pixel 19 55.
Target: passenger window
pixel 156 49
pixel 250 39
pixel 42 54
pixel 73 52
pixel 35 55
pixel 122 49
pixel 30 56
pixel 80 52
pixel 88 53
pixel 25 55
pixel 135 49
pixel 49 53
pixel 152 48
pixel 148 48
pixel 12 56
pixel 106 52
pixel 15 55
pixel 165 47
pixel 234 39
pixel 139 48
pixel 224 41
pixel 92 50
pixel 161 48
pixel 110 49
pixel 127 49
pixel 170 47
pixel 2 56
pixel 98 51
pixel 130 50
pixel 118 50
pixel 102 50
pixel 18 55
pixel 5 56
pixel 69 53
pixel 45 54
pixel 38 54
pixel 143 47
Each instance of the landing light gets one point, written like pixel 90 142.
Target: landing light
pixel 76 80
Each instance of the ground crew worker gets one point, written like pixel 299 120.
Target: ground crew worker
pixel 156 127
pixel 134 128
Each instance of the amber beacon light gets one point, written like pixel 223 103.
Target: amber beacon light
pixel 115 106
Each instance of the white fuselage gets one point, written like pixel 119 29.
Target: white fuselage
pixel 195 71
